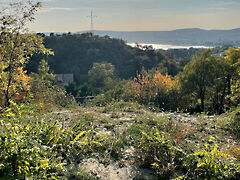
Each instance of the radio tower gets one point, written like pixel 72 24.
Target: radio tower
pixel 92 17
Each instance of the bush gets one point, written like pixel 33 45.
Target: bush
pixel 159 90
pixel 44 89
pixel 76 172
pixel 156 151
pixel 235 123
pixel 40 148
pixel 209 163
pixel 26 151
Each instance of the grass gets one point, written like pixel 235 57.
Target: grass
pixel 182 130
pixel 130 138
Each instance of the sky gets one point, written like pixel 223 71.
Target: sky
pixel 135 15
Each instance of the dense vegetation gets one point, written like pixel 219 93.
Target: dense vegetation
pixel 76 53
pixel 183 56
pixel 102 65
pixel 44 134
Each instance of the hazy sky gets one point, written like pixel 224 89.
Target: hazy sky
pixel 136 15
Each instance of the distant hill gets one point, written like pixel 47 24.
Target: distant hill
pixel 76 54
pixel 193 36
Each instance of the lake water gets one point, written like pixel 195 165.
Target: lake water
pixel 168 46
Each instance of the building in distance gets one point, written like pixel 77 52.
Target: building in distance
pixel 64 79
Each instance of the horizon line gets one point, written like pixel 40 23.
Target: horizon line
pixel 136 30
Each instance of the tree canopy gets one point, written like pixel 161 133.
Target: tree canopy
pixel 17 46
pixel 76 53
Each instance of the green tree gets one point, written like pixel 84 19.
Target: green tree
pixel 233 60
pixel 101 76
pixel 198 76
pixel 217 91
pixel 43 83
pixel 17 46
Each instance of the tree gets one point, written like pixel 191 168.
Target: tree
pixel 198 76
pixel 217 92
pixel 42 85
pixel 101 75
pixel 17 46
pixel 233 77
pixel 148 88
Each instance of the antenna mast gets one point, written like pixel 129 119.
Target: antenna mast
pixel 92 17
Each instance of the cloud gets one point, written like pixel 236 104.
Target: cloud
pixel 228 3
pixel 217 8
pixel 44 10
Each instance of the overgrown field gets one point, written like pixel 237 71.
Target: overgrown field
pixel 122 140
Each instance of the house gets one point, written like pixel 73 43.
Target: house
pixel 64 79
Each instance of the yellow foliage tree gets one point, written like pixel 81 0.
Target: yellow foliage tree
pixel 142 87
pixel 155 89
pixel 17 46
pixel 163 82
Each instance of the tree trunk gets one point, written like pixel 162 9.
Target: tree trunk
pixel 7 103
pixel 202 97
pixel 228 91
pixel 229 84
pixel 222 99
pixel 202 103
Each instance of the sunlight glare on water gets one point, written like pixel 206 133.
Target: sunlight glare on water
pixel 168 46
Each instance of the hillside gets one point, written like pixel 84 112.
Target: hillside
pixel 192 36
pixel 76 53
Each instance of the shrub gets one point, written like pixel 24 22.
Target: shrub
pixel 159 90
pixel 44 89
pixel 76 172
pixel 153 149
pixel 209 163
pixel 230 122
pixel 26 153
pixel 156 151
pixel 38 148
pixel 235 123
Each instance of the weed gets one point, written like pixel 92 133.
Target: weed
pixel 77 172
pixel 209 163
pixel 157 151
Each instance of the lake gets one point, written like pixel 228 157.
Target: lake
pixel 168 46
